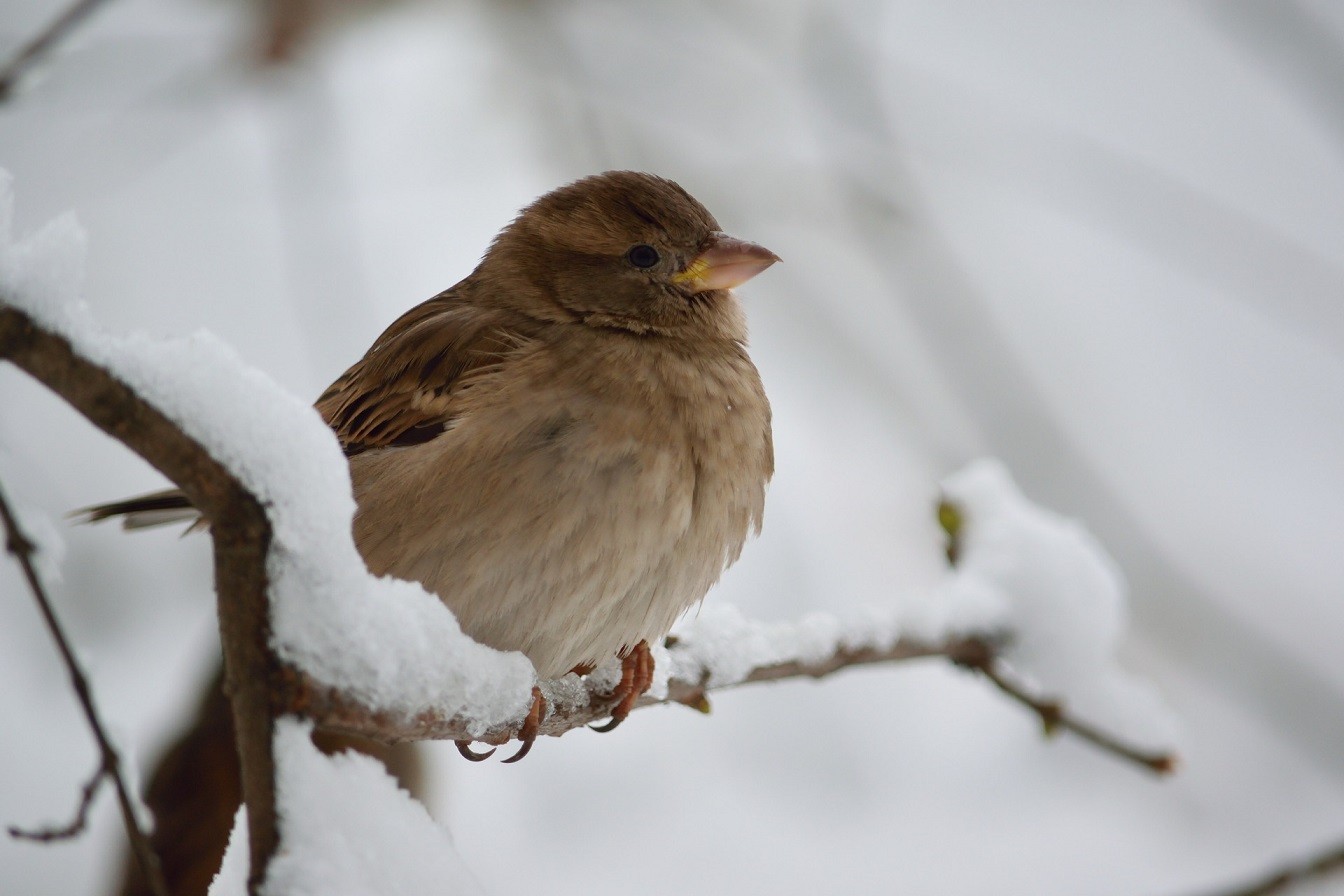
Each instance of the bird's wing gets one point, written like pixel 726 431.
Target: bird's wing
pixel 404 391
pixel 408 387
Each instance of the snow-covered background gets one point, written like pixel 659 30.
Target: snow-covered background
pixel 1104 243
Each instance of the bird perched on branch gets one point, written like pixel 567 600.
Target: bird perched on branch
pixel 570 445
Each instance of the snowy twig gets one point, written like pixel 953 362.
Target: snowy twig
pixel 573 702
pixel 262 687
pixel 694 693
pixel 1054 718
pixel 1051 712
pixel 1329 861
pixel 239 529
pixel 43 42
pixel 23 549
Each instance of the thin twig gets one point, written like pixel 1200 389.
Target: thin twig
pixel 569 708
pixel 572 704
pixel 261 686
pixel 42 43
pixel 1329 861
pixel 23 549
pixel 238 528
pixel 74 828
pixel 1054 718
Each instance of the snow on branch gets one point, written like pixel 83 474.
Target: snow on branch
pixel 240 529
pixel 1030 600
pixel 573 702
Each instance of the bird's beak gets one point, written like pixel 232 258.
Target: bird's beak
pixel 723 263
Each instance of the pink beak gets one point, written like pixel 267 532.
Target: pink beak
pixel 725 262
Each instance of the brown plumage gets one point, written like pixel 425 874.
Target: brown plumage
pixel 571 444
pixel 567 447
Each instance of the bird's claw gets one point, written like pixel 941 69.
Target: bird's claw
pixel 636 677
pixel 527 734
pixel 523 751
pixel 531 725
pixel 464 747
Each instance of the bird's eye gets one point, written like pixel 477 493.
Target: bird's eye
pixel 642 256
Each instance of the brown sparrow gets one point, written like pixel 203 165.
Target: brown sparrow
pixel 571 444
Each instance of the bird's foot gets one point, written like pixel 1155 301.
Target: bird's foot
pixel 531 725
pixel 636 677
pixel 527 734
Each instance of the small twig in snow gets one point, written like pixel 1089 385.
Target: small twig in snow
pixel 570 707
pixel 23 549
pixel 1054 718
pixel 28 55
pixel 337 711
pixel 959 650
pixel 1328 861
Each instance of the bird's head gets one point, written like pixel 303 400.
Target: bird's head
pixel 625 250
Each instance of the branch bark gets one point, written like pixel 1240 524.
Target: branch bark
pixel 573 702
pixel 1054 719
pixel 261 687
pixel 239 528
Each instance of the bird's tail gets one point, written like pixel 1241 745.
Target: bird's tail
pixel 144 512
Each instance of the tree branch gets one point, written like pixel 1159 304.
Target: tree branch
pixel 41 44
pixel 238 526
pixel 22 548
pixel 573 702
pixel 261 687
pixel 1054 719
pixel 1328 861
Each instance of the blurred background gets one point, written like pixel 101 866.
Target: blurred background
pixel 1104 242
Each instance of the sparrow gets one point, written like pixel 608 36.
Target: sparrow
pixel 570 445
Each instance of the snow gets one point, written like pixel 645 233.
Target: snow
pixel 393 645
pixel 231 879
pixel 1102 244
pixel 722 645
pixel 387 642
pixel 1065 602
pixel 346 828
pixel 1023 571
pixel 37 526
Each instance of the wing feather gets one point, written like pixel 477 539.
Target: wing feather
pixel 407 388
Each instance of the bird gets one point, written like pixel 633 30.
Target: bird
pixel 570 445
